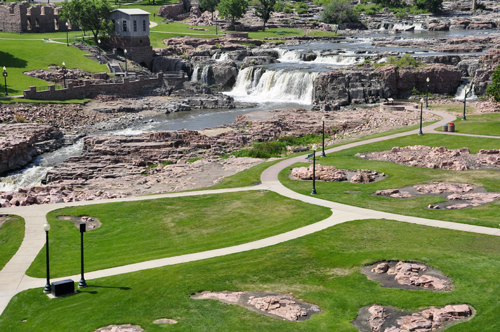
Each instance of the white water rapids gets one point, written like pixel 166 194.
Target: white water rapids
pixel 462 90
pixel 256 84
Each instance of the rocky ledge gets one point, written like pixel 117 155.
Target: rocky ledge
pixel 438 157
pixel 333 174
pixel 21 142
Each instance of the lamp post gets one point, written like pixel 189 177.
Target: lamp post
pixel 427 94
pixel 420 133
pixel 125 52
pixel 64 74
pixel 216 27
pixel 99 49
pixel 82 283
pixel 465 99
pixel 67 28
pixel 5 79
pixel 46 228
pixel 323 119
pixel 313 191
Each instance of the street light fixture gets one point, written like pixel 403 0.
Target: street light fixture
pixel 465 99
pixel 420 133
pixel 427 94
pixel 5 79
pixel 313 191
pixel 99 48
pixel 67 28
pixel 82 283
pixel 126 71
pixel 64 74
pixel 46 228
pixel 323 119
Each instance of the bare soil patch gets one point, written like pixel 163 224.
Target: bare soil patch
pixel 408 275
pixel 91 222
pixel 120 328
pixel 378 318
pixel 283 306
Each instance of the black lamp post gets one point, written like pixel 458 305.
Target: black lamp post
pixel 427 94
pixel 64 74
pixel 46 228
pixel 82 283
pixel 67 39
pixel 465 99
pixel 5 79
pixel 323 119
pixel 313 191
pixel 216 27
pixel 420 133
pixel 99 48
pixel 126 71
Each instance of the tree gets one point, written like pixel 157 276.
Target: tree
pixel 338 12
pixel 494 89
pixel 232 9
pixel 91 15
pixel 209 5
pixel 264 9
pixel 434 6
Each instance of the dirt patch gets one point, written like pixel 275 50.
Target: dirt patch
pixel 165 321
pixel 378 318
pixel 283 306
pixel 120 328
pixel 215 131
pixel 91 222
pixel 407 275
pixel 458 195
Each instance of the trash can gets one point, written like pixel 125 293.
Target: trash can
pixel 451 127
pixel 445 127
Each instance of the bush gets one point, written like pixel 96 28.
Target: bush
pixel 279 6
pixel 277 148
pixel 402 15
pixel 434 6
pixel 493 90
pixel 338 12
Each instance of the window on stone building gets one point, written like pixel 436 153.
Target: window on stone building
pixel 37 24
pixel 144 25
pixel 28 21
pixel 124 26
pixel 135 26
pixel 56 24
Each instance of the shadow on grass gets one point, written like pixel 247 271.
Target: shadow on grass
pixel 86 289
pixel 9 61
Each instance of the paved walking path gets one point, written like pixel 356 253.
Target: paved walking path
pixel 14 280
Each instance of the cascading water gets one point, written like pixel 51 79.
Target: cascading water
pixel 346 59
pixel 221 56
pixel 196 70
pixel 255 84
pixel 203 77
pixel 33 174
pixel 462 90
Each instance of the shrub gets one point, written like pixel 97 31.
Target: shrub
pixel 434 6
pixel 338 12
pixel 19 118
pixel 402 15
pixel 493 90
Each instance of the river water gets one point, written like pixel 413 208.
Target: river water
pixel 286 85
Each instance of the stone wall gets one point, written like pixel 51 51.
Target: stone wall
pixel 88 90
pixel 21 17
pixel 368 85
pixel 173 11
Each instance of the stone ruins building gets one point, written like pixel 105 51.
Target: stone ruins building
pixel 21 17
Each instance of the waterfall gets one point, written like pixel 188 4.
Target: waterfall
pixel 203 77
pixel 33 173
pixel 221 56
pixel 463 89
pixel 255 84
pixel 346 59
pixel 339 60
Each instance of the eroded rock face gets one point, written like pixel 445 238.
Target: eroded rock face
pixel 21 142
pixel 378 318
pixel 407 275
pixel 283 306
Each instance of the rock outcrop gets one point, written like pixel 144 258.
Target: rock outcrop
pixel 21 142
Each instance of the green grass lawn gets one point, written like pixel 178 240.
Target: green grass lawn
pixel 321 268
pixel 18 57
pixel 140 231
pixel 484 124
pixel 399 176
pixel 11 237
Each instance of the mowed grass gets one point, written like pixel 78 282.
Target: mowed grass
pixel 321 268
pixel 399 176
pixel 11 237
pixel 140 231
pixel 484 124
pixel 24 55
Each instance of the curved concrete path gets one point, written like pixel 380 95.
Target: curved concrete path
pixel 14 280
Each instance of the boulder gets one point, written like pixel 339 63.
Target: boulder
pixel 225 73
